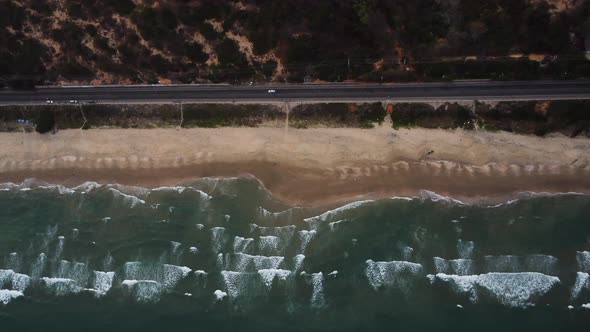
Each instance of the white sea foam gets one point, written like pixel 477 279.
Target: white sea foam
pixel 177 189
pixel 502 263
pixel 128 200
pixel 242 244
pixel 333 215
pixel 274 240
pixel 336 225
pixel 432 196
pixel 221 261
pixel 7 295
pixel 38 266
pixel 108 262
pixel 517 289
pixel 8 186
pixel 59 188
pixel 243 262
pixel 270 245
pixel 14 281
pixel 465 249
pixel 219 295
pixel 253 227
pixel 172 274
pixel 13 261
pixel 20 282
pixel 460 267
pixel 535 194
pixel 582 284
pixel 406 252
pixel 463 286
pixel 509 202
pixel 298 262
pixel 61 286
pixel 398 274
pixel 218 239
pixel 139 192
pixel 268 276
pixel 545 264
pixel 86 187
pixel 508 289
pixel 75 271
pixel 305 238
pixel 279 218
pixel 235 283
pixel 583 259
pixel 5 277
pixel 129 283
pixel 523 195
pixel 173 255
pixel 103 281
pixel 400 198
pixel 441 265
pixel 166 275
pixel 284 232
pixel 60 247
pixel 143 290
pixel 49 236
pixel 318 297
pixel 174 246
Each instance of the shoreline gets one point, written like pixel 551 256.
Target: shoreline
pixel 317 167
pixel 299 187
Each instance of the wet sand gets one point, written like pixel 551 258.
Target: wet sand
pixel 307 166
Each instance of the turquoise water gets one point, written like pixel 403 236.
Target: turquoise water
pixel 223 255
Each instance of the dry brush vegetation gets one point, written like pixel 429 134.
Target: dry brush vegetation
pixel 192 41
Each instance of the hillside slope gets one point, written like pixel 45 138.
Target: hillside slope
pixel 191 41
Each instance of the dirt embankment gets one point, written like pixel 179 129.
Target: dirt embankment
pixel 570 118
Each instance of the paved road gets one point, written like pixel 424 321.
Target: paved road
pixel 470 90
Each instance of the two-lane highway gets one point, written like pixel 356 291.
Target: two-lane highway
pixel 464 90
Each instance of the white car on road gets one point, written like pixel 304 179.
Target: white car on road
pixel 272 91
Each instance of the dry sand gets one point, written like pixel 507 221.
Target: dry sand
pixel 306 166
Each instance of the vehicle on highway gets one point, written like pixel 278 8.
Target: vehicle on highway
pixel 272 91
pixel 49 101
pixel 73 101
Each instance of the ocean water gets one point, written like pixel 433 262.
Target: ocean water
pixel 223 255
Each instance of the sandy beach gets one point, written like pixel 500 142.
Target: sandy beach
pixel 304 166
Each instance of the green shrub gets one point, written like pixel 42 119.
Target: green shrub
pixel 45 121
pixel 195 52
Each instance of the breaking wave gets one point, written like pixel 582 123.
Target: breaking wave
pixel 226 243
